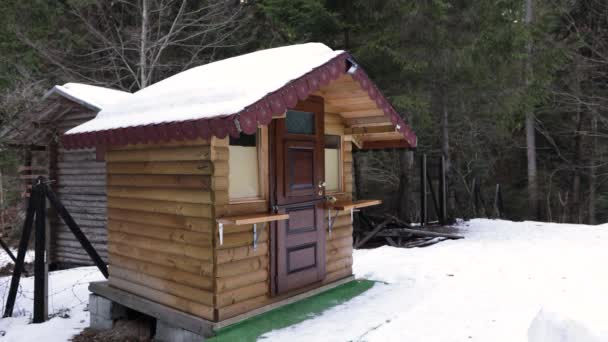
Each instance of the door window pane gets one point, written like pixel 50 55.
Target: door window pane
pixel 298 122
pixel 332 163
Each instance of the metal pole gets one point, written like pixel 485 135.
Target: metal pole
pixel 40 270
pixel 423 190
pixel 25 238
pixel 443 193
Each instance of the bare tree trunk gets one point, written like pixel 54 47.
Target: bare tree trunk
pixel 406 161
pixel 533 190
pixel 445 142
pixel 592 175
pixel 576 207
pixel 142 47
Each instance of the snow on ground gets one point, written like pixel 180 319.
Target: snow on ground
pixel 68 299
pixel 5 259
pixel 506 281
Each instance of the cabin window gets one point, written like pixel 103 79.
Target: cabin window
pixel 333 158
pixel 245 164
pixel 298 122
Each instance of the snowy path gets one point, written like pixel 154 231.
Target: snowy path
pixel 490 286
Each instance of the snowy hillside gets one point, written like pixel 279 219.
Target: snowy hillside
pixel 506 282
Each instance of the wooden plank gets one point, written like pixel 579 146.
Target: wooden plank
pixel 242 294
pixel 241 280
pixel 161 246
pixel 186 264
pixel 163 298
pixel 81 190
pixel 339 243
pixel 242 307
pixel 367 121
pixel 242 239
pixel 182 153
pixel 240 253
pixel 163 233
pixel 159 271
pixel 177 195
pixel 179 290
pixel 340 232
pixel 161 207
pixel 362 113
pixel 336 254
pixel 338 264
pixel 242 267
pixel 164 168
pixel 338 274
pixel 252 218
pixel 347 205
pixel 195 224
pixel 202 183
pixel 370 130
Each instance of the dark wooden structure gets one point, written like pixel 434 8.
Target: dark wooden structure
pixel 77 176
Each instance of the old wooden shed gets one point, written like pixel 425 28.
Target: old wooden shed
pixel 78 176
pixel 229 186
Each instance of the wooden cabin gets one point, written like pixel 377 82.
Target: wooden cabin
pixel 229 186
pixel 78 176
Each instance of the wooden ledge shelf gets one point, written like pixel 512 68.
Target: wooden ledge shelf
pixel 253 219
pixel 346 205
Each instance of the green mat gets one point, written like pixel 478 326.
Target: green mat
pixel 252 328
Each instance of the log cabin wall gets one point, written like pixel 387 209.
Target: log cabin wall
pixel 242 275
pixel 339 246
pixel 160 223
pixel 80 183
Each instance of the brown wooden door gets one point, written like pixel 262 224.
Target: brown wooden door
pixel 298 190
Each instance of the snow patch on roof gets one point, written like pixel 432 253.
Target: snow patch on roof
pixel 94 97
pixel 217 89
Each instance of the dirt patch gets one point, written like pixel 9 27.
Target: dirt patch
pixel 138 330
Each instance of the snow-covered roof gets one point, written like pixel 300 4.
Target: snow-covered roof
pixel 93 97
pixel 225 97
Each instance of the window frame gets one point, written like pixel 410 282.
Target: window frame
pixel 340 189
pixel 262 159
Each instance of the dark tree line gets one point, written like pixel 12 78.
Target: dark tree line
pixel 508 91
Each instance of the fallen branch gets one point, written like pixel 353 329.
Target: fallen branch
pixel 416 232
pixel 372 233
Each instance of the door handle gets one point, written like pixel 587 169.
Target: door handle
pixel 322 184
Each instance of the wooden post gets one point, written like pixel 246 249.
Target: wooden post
pixel 433 196
pixel 423 209
pixel 25 238
pixel 40 269
pixel 443 193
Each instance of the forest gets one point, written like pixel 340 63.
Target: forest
pixel 509 92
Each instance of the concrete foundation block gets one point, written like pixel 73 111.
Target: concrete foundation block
pixel 100 323
pixel 104 311
pixel 166 332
